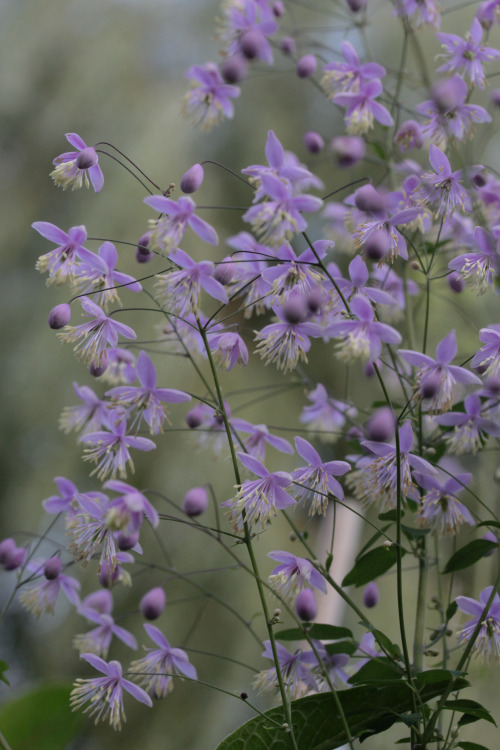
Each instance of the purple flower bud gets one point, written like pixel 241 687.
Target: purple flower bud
pixel 493 385
pixel 194 417
pixel 371 595
pixel 305 605
pixel 313 142
pixel 106 577
pixel 430 386
pixel 195 501
pixel 52 568
pixel 142 253
pixel 409 136
pixel 127 541
pixel 490 537
pixel 86 158
pixel 59 316
pixel 354 433
pixel 224 271
pixel 495 97
pixel 369 370
pixel 381 425
pixel 153 603
pixel 377 245
pixel 348 149
pixel 306 66
pixel 368 199
pixel 251 43
pixel 456 282
pixel 191 181
pixel 448 94
pixel 357 5
pixel 234 69
pixel 97 370
pixel 278 8
pixel 295 309
pixel 17 559
pixel 314 301
pixel 7 549
pixel 287 45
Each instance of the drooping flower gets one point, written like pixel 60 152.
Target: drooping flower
pixel 97 608
pixel 110 449
pixel 325 416
pixel 350 74
pixel 487 643
pixel 66 501
pixel 179 291
pixel 442 188
pixel 167 232
pixel 90 277
pixel 61 263
pixel 105 694
pixel 88 416
pixel 259 436
pixel 467 55
pixel 314 483
pixel 285 342
pixel 361 108
pixel 156 669
pixel 482 265
pixel 297 677
pixel 74 168
pixel 293 575
pixel 471 427
pixel 488 357
pixel 40 597
pixel 209 99
pixel 440 508
pixel 421 12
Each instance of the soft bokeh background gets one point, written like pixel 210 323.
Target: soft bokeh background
pixel 112 70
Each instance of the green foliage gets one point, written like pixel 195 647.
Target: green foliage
pixel 370 566
pixel 3 668
pixel 317 631
pixel 40 719
pixel 468 555
pixel 471 710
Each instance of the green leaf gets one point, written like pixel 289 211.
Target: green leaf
pixel 341 647
pixel 471 709
pixel 411 533
pixel 41 718
pixel 468 555
pixel 317 631
pixel 381 155
pixel 379 670
pixel 371 565
pixel 471 746
pixel 389 515
pixel 371 541
pixel 3 668
pixel 369 709
pixel 451 611
pixel 386 644
pixel 495 524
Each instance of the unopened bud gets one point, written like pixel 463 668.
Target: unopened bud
pixel 348 150
pixel 368 199
pixel 195 501
pixel 371 595
pixel 153 603
pixel 381 425
pixel 278 8
pixel 295 309
pixel 244 696
pixel 456 282
pixel 192 179
pixel 448 94
pixel 376 245
pixel 194 417
pixel 430 386
pixel 97 370
pixel 86 158
pixel 142 253
pixel 251 43
pixel 52 568
pixel 357 5
pixel 17 559
pixel 234 70
pixel 126 541
pixel 306 66
pixel 7 549
pixel 59 316
pixel 305 605
pixel 313 142
pixel 224 271
pixel 287 45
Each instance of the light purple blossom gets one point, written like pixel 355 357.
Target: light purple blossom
pixel 361 108
pixel 487 643
pixel 62 262
pixel 467 55
pixel 90 277
pixel 209 99
pixel 297 677
pixel 350 74
pixel 110 449
pixel 294 574
pixel 361 338
pixel 167 231
pixel 245 27
pixel 314 483
pixel 97 608
pixel 259 436
pixel 421 12
pixel 156 669
pixel 180 291
pixel 105 694
pixel 325 416
pixel 88 416
pixel 65 502
pixel 440 508
pixel 470 427
pixel 286 343
pixel 442 187
pixel 482 266
pixel 396 244
pixel 40 597
pixel 228 349
pixel 488 357
pixel 74 168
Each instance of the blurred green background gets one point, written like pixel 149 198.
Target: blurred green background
pixel 113 70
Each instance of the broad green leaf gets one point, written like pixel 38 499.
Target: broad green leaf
pixel 380 670
pixel 471 746
pixel 412 533
pixel 468 555
pixel 341 647
pixel 451 611
pixel 41 719
pixel 317 725
pixel 390 515
pixel 469 708
pixel 371 565
pixel 438 675
pixel 375 537
pixel 317 631
pixel 3 668
pixel 386 644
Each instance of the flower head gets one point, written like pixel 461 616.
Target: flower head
pixel 156 669
pixel 488 640
pixel 74 168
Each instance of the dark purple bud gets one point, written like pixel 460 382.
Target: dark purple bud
pixel 306 66
pixel 313 142
pixel 368 199
pixel 495 97
pixel 371 595
pixel 195 501
pixel 430 385
pixel 305 605
pixel 86 158
pixel 456 282
pixel 288 46
pixel 381 425
pixel 143 254
pixel 348 150
pixel 234 69
pixel 490 537
pixel 314 301
pixel 250 44
pixel 97 370
pixel 59 316
pixel 127 541
pixel 224 271
pixel 153 603
pixel 17 559
pixel 52 568
pixel 493 385
pixel 354 433
pixel 278 8
pixel 369 370
pixel 195 417
pixel 191 181
pixel 7 549
pixel 357 5
pixel 376 245
pixel 448 94
pixel 295 309
pixel 244 696
pixel 101 601
pixel 106 577
pixel 484 16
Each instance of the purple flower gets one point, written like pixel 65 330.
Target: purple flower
pixel 480 267
pixel 439 374
pixel 442 187
pixel 423 12
pixel 62 262
pixel 361 338
pixel 92 338
pixel 358 275
pixel 488 357
pixel 110 450
pixel 126 511
pixel 395 242
pixel 89 530
pixel 156 669
pixel 286 343
pixel 294 574
pixel 209 99
pixel 74 168
pixel 258 500
pixel 361 108
pixel 245 28
pixel 65 502
pixel 470 427
pixel 105 694
pixel 90 277
pixel 41 597
pixel 88 416
pixel 349 75
pixel 97 608
pixel 180 291
pixel 120 366
pixel 409 136
pixel 488 640
pixel 297 677
pixel 315 483
pixel 467 55
pixel 228 349
pixel 167 232
pixel 325 416
pixel 440 508
pixel 148 400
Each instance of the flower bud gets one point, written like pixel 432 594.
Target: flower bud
pixel 314 301
pixel 17 559
pixel 194 417
pixel 86 158
pixel 195 501
pixel 191 181
pixel 306 66
pixel 368 199
pixel 52 568
pixel 101 601
pixel 495 97
pixel 234 70
pixel 357 5
pixel 143 254
pixel 381 425
pixel 369 369
pixel 106 577
pixel 354 433
pixel 278 8
pixel 287 45
pixel 371 595
pixel 59 316
pixel 448 94
pixel 127 541
pixel 295 309
pixel 153 603
pixel 348 150
pixel 409 136
pixel 430 385
pixel 97 370
pixel 313 142
pixel 305 605
pixel 224 271
pixel 376 245
pixel 7 549
pixel 456 282
pixel 251 43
